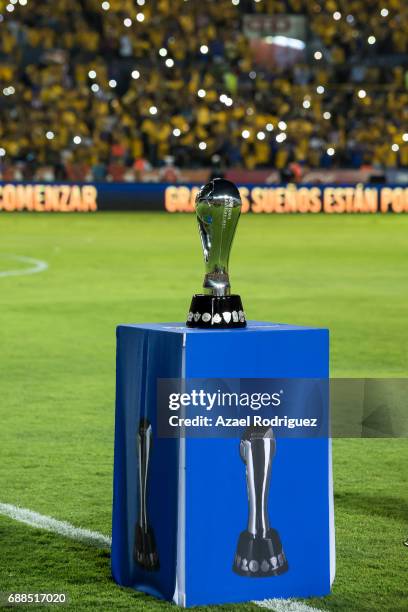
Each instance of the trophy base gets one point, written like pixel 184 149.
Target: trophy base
pixel 216 312
pixel 145 551
pixel 260 557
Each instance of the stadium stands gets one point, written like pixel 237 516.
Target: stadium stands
pixel 92 89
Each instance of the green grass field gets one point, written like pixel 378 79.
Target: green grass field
pixel 57 335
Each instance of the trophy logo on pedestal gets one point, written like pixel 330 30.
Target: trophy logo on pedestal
pixel 259 550
pixel 145 552
pixel 218 207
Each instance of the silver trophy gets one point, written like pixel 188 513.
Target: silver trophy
pixel 259 551
pixel 145 551
pixel 218 207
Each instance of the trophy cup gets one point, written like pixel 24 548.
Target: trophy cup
pixel 218 207
pixel 145 552
pixel 259 550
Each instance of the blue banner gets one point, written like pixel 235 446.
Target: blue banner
pixel 277 199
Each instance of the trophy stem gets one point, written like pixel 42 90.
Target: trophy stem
pixel 217 283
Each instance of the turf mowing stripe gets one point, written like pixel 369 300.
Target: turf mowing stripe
pixel 29 517
pixel 37 265
pixel 42 521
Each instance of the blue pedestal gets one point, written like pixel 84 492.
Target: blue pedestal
pixel 197 498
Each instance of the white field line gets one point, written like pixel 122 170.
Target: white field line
pixel 35 266
pixel 42 521
pixel 286 605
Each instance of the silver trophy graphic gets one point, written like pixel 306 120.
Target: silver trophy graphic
pixel 145 552
pixel 218 207
pixel 259 550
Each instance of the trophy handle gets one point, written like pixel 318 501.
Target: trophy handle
pixel 205 239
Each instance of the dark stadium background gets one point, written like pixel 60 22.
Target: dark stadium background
pixel 152 89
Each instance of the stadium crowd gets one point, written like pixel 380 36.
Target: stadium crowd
pixel 109 88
